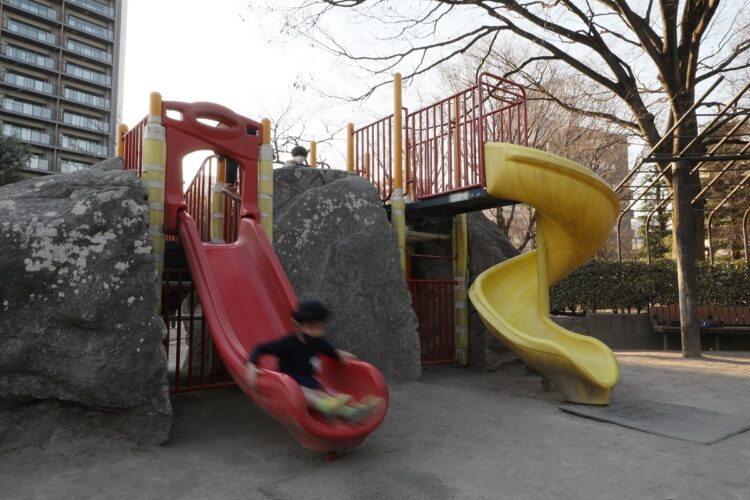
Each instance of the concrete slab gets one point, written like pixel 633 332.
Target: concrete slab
pixel 665 419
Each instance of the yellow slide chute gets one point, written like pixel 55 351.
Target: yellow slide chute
pixel 575 211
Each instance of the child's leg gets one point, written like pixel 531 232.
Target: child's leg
pixel 322 401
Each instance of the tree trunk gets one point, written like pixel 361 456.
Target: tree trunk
pixel 683 232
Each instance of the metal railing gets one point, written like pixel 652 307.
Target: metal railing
pixel 445 141
pixel 373 154
pixel 88 74
pixel 133 140
pixel 37 163
pixel 83 145
pixel 193 361
pixel 67 166
pixel 198 200
pixel 86 122
pixel 27 134
pixel 88 51
pixel 432 301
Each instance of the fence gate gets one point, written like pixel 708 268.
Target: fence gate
pixel 433 302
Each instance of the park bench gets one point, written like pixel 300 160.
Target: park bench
pixel 715 321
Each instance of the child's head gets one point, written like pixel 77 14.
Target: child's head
pixel 311 315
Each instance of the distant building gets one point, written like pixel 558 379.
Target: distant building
pixel 61 68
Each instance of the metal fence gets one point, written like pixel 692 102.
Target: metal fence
pixel 433 302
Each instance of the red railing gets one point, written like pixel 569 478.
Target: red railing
pixel 432 301
pixel 373 154
pixel 193 362
pixel 133 141
pixel 445 141
pixel 198 199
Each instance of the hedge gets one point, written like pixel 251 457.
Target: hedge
pixel 631 286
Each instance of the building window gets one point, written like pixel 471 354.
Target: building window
pixel 34 8
pixel 83 145
pixel 88 50
pixel 67 166
pixel 85 122
pixel 89 27
pixel 29 83
pixel 85 97
pixel 26 134
pixel 38 163
pixel 88 74
pixel 27 56
pixel 26 108
pixel 29 31
pixel 95 6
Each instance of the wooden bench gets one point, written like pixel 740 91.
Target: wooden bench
pixel 715 321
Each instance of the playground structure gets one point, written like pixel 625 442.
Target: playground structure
pixel 464 153
pixel 641 190
pixel 245 296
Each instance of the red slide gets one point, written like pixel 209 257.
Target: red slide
pixel 247 300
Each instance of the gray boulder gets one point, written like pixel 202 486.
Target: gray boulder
pixel 488 246
pixel 78 300
pixel 335 243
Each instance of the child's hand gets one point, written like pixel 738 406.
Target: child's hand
pixel 345 356
pixel 251 375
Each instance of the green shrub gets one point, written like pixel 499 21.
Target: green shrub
pixel 631 286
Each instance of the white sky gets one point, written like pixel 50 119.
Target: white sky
pixel 189 52
pixel 221 51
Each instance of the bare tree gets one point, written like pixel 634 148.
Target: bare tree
pixel 645 53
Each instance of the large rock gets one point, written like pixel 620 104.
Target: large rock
pixel 334 241
pixel 488 246
pixel 78 297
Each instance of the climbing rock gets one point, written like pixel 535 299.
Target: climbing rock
pixel 78 301
pixel 334 241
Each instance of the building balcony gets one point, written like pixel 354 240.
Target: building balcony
pixel 26 109
pixel 94 6
pixel 88 75
pixel 29 32
pixel 86 98
pixel 27 57
pixel 35 8
pixel 89 28
pixel 68 166
pixel 83 146
pixel 36 163
pixel 29 83
pixel 85 122
pixel 87 51
pixel 27 135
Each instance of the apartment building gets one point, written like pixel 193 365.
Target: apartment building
pixel 61 79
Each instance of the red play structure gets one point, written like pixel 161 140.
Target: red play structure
pixel 245 296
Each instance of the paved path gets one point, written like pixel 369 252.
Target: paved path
pixel 453 434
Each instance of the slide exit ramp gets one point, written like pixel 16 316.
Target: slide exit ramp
pixel 575 212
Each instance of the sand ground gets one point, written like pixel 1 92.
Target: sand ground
pixel 452 434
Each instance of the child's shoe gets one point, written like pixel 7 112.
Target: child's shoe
pixel 357 412
pixel 328 405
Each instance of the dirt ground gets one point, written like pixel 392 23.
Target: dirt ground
pixel 452 434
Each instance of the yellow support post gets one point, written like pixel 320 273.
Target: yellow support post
pixel 398 206
pixel 460 276
pixel 456 146
pixel 350 147
pixel 265 180
pixel 154 168
pixel 218 201
pixel 313 154
pixel 122 129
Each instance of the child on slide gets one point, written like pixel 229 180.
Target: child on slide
pixel 295 352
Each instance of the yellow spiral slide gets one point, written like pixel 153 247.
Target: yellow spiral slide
pixel 575 211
